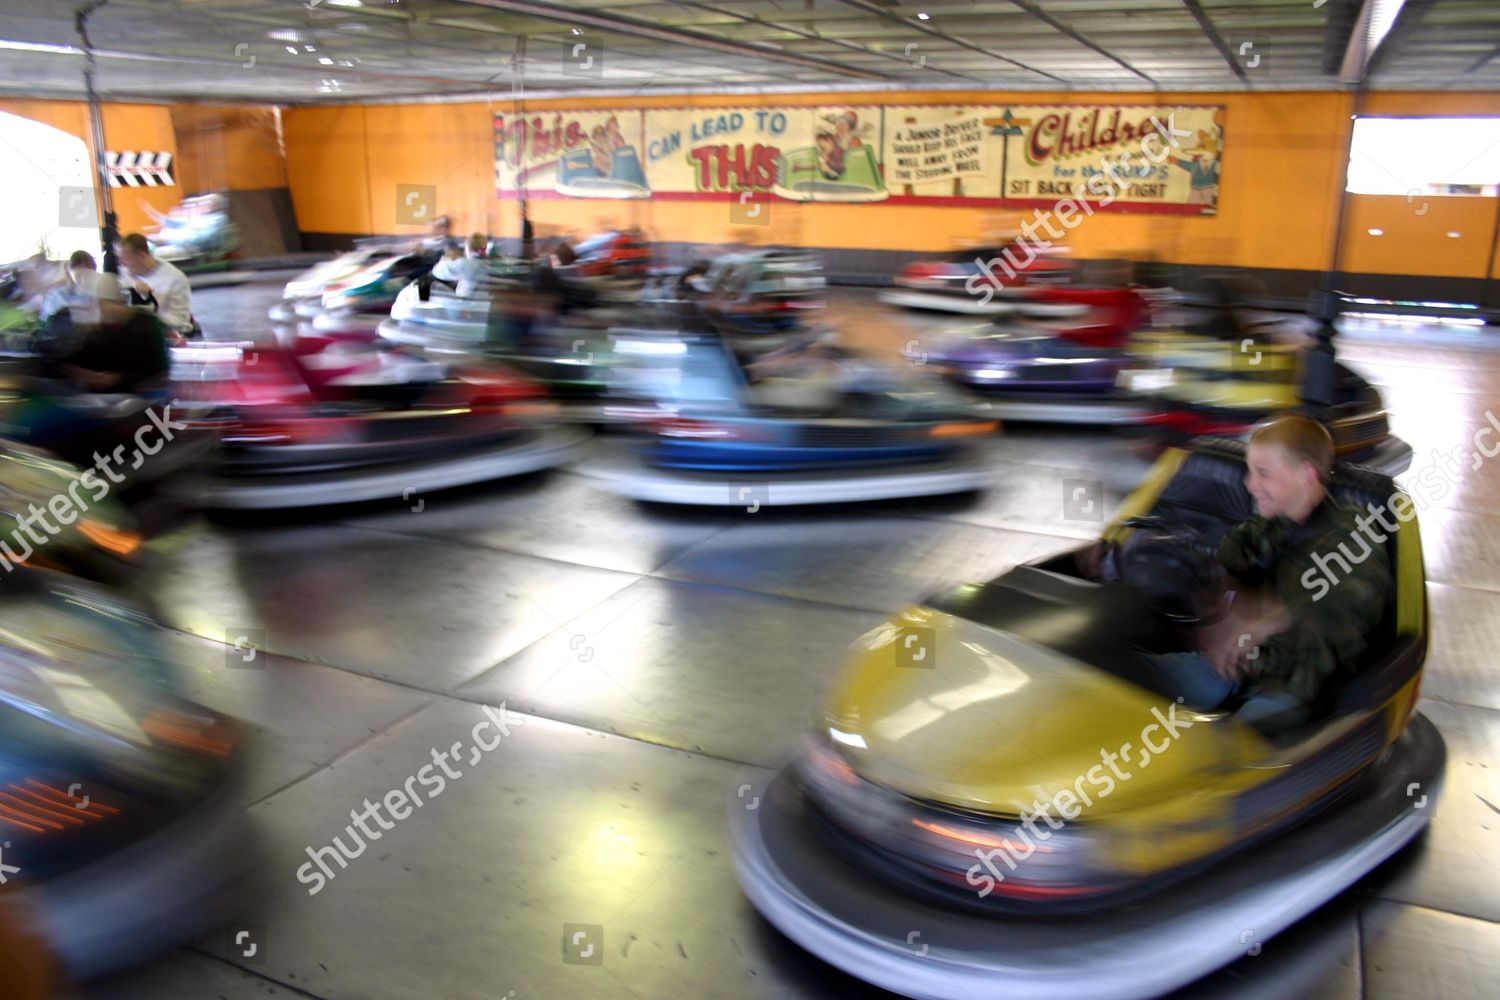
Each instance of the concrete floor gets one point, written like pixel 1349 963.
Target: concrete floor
pixel 659 657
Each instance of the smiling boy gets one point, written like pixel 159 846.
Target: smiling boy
pixel 1282 645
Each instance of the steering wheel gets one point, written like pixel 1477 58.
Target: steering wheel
pixel 1174 566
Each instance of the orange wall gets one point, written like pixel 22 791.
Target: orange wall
pixel 1283 152
pixel 213 147
pixel 1279 194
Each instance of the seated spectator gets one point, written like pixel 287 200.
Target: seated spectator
pixel 156 286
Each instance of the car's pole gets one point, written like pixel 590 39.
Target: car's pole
pixel 108 231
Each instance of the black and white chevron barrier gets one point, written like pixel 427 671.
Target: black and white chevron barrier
pixel 131 169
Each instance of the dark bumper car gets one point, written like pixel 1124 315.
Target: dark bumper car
pixel 327 422
pixel 973 281
pixel 123 832
pixel 806 424
pixel 1057 357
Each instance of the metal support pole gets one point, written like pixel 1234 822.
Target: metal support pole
pixel 109 232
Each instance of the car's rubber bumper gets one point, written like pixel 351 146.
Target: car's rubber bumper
pixel 620 467
pixel 543 449
pixel 968 305
pixel 910 946
pixel 1102 410
pixel 152 896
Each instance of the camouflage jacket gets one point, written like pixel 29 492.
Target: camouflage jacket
pixel 1334 579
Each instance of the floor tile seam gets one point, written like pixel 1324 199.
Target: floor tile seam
pixel 340 755
pixel 299 991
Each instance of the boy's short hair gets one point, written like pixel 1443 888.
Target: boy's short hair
pixel 82 258
pixel 477 242
pixel 136 242
pixel 1302 437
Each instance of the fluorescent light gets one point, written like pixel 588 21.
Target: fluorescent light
pixel 345 3
pixel 325 61
pixel 922 16
pixel 1454 234
pixel 1375 232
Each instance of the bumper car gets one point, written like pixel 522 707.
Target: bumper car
pixel 325 421
pixel 1192 385
pixel 807 424
pixel 757 300
pixel 353 292
pixel 123 834
pixel 43 406
pixel 1057 358
pixel 196 235
pixel 906 846
pixel 973 280
pixel 606 269
pixel 512 321
pixel 100 540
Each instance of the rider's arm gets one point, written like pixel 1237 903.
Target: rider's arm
pixel 1330 619
pixel 1249 550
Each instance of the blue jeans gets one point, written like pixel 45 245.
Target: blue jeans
pixel 1202 687
pixel 1194 678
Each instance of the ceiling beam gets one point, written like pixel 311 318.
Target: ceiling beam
pixel 1215 39
pixel 926 29
pixel 620 24
pixel 814 35
pixel 1092 46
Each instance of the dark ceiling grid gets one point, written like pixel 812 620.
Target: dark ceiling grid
pixel 455 49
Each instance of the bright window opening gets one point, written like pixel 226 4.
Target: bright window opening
pixel 1414 156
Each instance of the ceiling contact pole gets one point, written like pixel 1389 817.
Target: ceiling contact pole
pixel 108 232
pixel 518 98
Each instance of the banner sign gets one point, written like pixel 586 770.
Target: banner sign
pixel 1123 158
